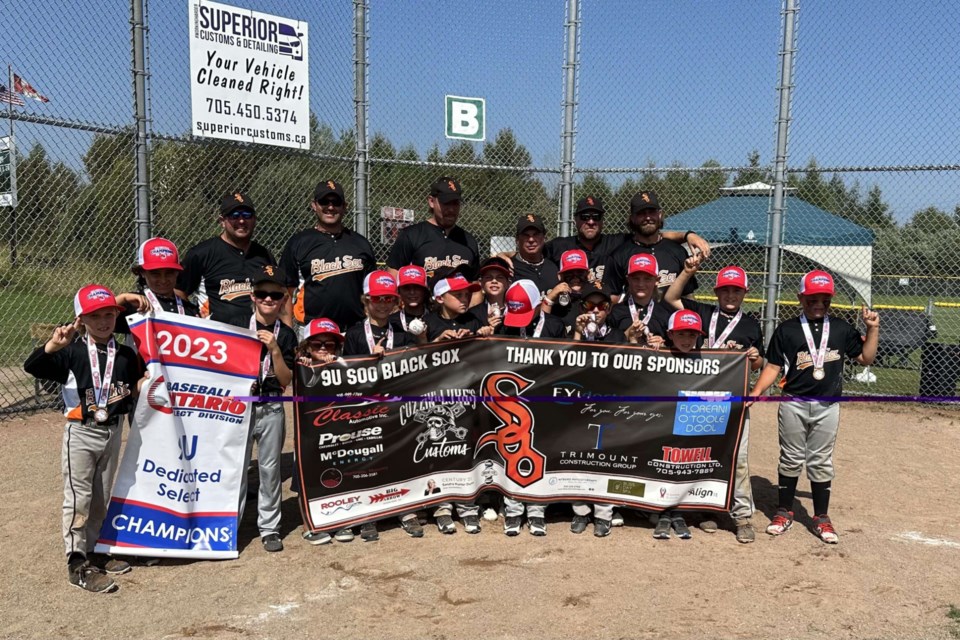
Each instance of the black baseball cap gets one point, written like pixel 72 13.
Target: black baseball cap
pixel 594 290
pixel 530 221
pixel 590 204
pixel 496 263
pixel 270 273
pixel 236 200
pixel 643 201
pixel 326 188
pixel 446 190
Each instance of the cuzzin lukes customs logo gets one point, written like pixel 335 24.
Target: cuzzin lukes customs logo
pixel 514 438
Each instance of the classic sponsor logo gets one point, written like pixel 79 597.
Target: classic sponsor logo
pixel 339 413
pixel 708 417
pixel 388 495
pixel 514 439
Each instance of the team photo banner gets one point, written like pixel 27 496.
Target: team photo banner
pixel 178 487
pixel 542 421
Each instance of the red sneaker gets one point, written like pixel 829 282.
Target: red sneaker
pixel 781 523
pixel 824 528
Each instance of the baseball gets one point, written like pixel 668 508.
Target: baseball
pixel 416 326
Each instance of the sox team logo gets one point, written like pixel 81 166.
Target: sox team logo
pixel 514 439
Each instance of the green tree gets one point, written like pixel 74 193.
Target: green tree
pixel 754 172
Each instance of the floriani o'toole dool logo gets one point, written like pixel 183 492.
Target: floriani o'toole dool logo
pixel 514 439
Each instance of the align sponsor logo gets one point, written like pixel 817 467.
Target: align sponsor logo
pixel 707 417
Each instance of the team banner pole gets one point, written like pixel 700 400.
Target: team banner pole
pixel 538 421
pixel 177 491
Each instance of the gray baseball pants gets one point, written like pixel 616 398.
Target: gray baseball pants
pixel 513 508
pixel 601 510
pixel 743 506
pixel 268 431
pixel 808 432
pixel 463 509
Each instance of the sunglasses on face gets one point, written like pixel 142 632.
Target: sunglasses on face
pixel 240 215
pixel 329 345
pixel 272 295
pixel 383 299
pixel 590 217
pixel 331 202
pixel 596 306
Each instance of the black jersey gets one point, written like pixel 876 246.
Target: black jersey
pixel 328 270
pixel 621 318
pixel 544 275
pixel 596 257
pixel 355 343
pixel 670 258
pixel 166 304
pixel 788 349
pixel 221 276
pixel 553 327
pixel 70 367
pixel 428 246
pixel 396 321
pixel 287 341
pixel 611 335
pixel 746 334
pixel 436 324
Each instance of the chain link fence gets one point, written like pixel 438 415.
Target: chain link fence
pixel 680 98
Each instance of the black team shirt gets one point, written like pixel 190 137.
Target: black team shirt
pixel 287 341
pixel 621 318
pixel 222 276
pixel 670 258
pixel 746 334
pixel 788 349
pixel 596 257
pixel 355 343
pixel 426 245
pixel 331 269
pixel 545 275
pixel 437 324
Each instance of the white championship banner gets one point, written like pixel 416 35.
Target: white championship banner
pixel 178 487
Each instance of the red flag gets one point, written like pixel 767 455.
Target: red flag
pixel 22 86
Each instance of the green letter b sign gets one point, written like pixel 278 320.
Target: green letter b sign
pixel 465 118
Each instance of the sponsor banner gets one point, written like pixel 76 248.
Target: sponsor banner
pixel 178 487
pixel 249 77
pixel 538 420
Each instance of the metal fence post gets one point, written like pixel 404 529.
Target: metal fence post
pixel 777 204
pixel 360 106
pixel 142 182
pixel 569 114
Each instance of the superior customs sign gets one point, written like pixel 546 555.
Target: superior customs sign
pixel 249 77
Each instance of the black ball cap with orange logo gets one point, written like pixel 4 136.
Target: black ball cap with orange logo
pixel 235 201
pixel 530 221
pixel 326 188
pixel 446 190
pixel 590 203
pixel 270 273
pixel 643 201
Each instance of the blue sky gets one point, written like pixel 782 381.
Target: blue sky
pixel 663 82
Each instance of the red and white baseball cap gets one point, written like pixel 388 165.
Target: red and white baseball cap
pixel 523 300
pixel 380 283
pixel 456 282
pixel 643 263
pixel 412 274
pixel 158 253
pixel 732 276
pixel 94 297
pixel 817 282
pixel 574 260
pixel 685 320
pixel 323 327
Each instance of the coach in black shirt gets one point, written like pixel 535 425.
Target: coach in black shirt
pixel 326 263
pixel 220 270
pixel 438 242
pixel 529 263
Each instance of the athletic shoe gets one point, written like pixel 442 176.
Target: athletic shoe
pixel 344 535
pixel 745 532
pixel 579 524
pixel 824 528
pixel 662 532
pixel 490 515
pixel 709 525
pixel 317 537
pixel 368 532
pixel 617 519
pixel 680 526
pixel 90 578
pixel 537 526
pixel 108 564
pixel 412 527
pixel 272 542
pixel 471 524
pixel 511 525
pixel 446 525
pixel 781 523
pixel 601 528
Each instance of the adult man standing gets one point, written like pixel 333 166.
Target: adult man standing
pixel 646 221
pixel 326 263
pixel 220 270
pixel 529 263
pixel 438 242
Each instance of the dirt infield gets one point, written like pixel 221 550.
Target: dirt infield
pixel 893 575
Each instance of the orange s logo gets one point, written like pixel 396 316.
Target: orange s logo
pixel 646 198
pixel 268 270
pixel 514 438
pixel 331 185
pixel 238 198
pixel 452 185
pixel 590 201
pixel 530 218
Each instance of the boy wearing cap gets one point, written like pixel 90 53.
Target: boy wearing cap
pixel 639 307
pixel 156 270
pixel 218 271
pixel 437 242
pixel 101 380
pixel 812 348
pixel 495 276
pixel 267 428
pixel 729 329
pixel 525 319
pixel 414 295
pixel 451 321
pixel 326 264
pixel 564 299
